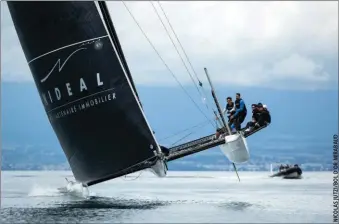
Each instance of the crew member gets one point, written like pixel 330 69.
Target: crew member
pixel 264 117
pixel 229 108
pixel 240 113
pixel 255 116
pixel 281 167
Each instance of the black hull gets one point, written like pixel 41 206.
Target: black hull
pixel 86 88
pixel 290 173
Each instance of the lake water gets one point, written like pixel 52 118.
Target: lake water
pixel 182 197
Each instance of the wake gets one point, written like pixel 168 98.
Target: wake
pixel 72 189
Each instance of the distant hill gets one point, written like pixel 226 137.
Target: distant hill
pixel 302 125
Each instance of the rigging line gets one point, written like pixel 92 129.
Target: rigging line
pixel 135 165
pixel 181 139
pixel 165 63
pixel 178 41
pixel 202 94
pixel 133 178
pixel 189 61
pixel 179 132
pixel 155 10
pixel 185 137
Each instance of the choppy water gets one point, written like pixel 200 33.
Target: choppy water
pixel 182 197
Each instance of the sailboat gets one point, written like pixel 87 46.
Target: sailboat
pixel 89 95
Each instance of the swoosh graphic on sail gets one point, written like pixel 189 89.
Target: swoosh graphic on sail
pixel 62 65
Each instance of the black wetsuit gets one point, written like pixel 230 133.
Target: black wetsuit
pixel 229 114
pixel 255 116
pixel 228 109
pixel 264 117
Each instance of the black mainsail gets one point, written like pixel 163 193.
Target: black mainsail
pixel 86 88
pixel 88 92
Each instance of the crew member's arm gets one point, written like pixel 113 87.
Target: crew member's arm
pixel 224 111
pixel 233 109
pixel 242 105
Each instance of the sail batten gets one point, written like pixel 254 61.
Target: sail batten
pixel 86 93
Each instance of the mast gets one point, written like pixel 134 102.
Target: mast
pixel 221 115
pixel 217 103
pixel 85 87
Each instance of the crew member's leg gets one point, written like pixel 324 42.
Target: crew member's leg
pixel 233 124
pixel 237 124
pixel 230 121
pixel 241 119
pixel 249 124
pixel 238 120
pixel 219 132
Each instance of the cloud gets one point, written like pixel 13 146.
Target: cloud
pixel 298 67
pixel 14 66
pixel 272 44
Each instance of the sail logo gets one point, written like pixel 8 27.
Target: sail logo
pixel 61 66
pixel 55 95
pixel 83 97
pixel 97 45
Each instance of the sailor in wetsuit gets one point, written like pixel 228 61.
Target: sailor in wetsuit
pixel 255 117
pixel 240 113
pixel 229 108
pixel 264 117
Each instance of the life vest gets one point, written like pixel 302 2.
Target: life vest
pixel 237 106
pixel 229 107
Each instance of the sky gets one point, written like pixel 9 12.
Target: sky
pixel 266 50
pixel 280 45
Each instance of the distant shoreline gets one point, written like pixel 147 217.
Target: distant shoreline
pixel 249 171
